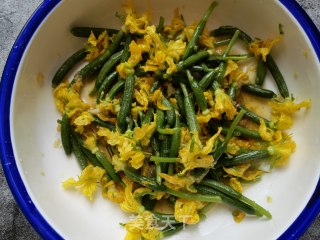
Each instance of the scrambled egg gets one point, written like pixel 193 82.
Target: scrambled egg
pixel 263 48
pixel 87 181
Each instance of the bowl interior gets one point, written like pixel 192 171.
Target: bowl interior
pixel 43 166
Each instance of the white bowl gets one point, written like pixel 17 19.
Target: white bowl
pixel 35 168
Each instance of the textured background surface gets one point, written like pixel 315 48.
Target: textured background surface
pixel 13 15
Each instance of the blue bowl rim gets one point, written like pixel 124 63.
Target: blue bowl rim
pixel 44 229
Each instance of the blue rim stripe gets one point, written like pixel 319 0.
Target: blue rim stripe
pixel 306 217
pixel 312 209
pixel 305 22
pixel 8 161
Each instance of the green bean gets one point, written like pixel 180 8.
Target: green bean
pixel 91 157
pixel 255 117
pixel 256 206
pixel 229 30
pixel 222 146
pixel 170 114
pixel 126 52
pixel 101 123
pixel 159 28
pixel 171 230
pixel 231 43
pixel 208 79
pixel 228 200
pixel 155 145
pixel 244 132
pixel 232 91
pixel 222 42
pixel 163 159
pixel 235 133
pixel 84 152
pixel 157 148
pixel 237 57
pixel 126 103
pixel 192 44
pixel 236 195
pixel 158 172
pixel 116 88
pixel 249 133
pixel 170 168
pixel 152 184
pixel 165 146
pixel 180 102
pixel 105 85
pixel 192 196
pixel 160 119
pixel 109 168
pixel 175 141
pixel 261 71
pixel 277 76
pixel 245 157
pixel 86 31
pixel 93 66
pixel 223 65
pixel 106 68
pixel 148 117
pixel 175 144
pixel 238 131
pixel 190 113
pixel 200 173
pixel 129 120
pixel 65 134
pixel 234 124
pixel 67 65
pixel 221 188
pixel 155 86
pixel 198 93
pixel 192 59
pixel 219 75
pixel 201 68
pixel 142 180
pixel 258 91
pixel 77 151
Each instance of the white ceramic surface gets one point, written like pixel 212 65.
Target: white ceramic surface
pixel 43 167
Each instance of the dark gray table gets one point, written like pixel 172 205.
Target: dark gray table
pixel 13 15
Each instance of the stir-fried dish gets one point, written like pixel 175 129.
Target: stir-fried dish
pixel 169 119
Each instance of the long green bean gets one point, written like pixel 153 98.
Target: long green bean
pixel 67 66
pixel 126 103
pixel 65 134
pixel 190 113
pixel 93 66
pixel 198 31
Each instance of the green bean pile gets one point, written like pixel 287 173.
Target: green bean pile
pixel 178 132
